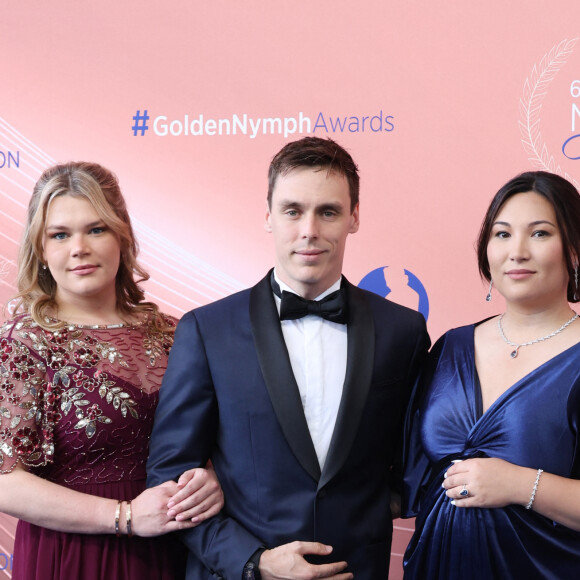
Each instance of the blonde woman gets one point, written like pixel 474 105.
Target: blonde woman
pixel 81 363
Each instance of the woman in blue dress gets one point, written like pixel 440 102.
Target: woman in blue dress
pixel 493 455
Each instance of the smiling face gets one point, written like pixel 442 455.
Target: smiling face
pixel 525 252
pixel 81 252
pixel 310 219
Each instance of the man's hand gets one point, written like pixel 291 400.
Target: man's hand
pixel 287 562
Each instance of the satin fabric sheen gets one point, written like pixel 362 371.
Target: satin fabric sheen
pixel 533 424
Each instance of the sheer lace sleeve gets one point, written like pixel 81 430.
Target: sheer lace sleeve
pixel 27 405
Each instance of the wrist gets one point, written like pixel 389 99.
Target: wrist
pixel 530 503
pixel 117 521
pixel 121 528
pixel 123 524
pixel 128 519
pixel 525 486
pixel 252 567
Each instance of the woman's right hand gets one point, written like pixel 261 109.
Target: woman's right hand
pixel 200 495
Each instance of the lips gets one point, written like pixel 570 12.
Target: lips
pixel 519 274
pixel 84 269
pixel 309 255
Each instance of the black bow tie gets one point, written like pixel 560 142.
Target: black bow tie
pixel 332 307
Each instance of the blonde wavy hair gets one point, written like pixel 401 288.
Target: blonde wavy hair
pixel 37 287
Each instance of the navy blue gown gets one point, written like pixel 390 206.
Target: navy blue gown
pixel 533 424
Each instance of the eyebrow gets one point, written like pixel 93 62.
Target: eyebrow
pixel 531 224
pixel 287 204
pixel 58 227
pixel 334 206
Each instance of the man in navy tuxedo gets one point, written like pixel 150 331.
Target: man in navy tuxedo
pixel 296 390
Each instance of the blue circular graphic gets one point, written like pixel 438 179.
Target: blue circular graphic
pixel 377 281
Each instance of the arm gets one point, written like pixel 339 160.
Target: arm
pixel 28 411
pixel 498 483
pixel 418 469
pixel 400 473
pixel 184 436
pixel 35 500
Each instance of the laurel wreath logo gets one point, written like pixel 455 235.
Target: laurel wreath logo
pixel 535 89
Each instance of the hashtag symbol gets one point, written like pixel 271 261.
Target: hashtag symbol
pixel 140 123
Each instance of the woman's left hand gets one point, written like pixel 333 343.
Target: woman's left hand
pixel 490 483
pixel 200 496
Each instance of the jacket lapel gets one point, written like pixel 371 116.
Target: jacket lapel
pixel 279 377
pixel 359 371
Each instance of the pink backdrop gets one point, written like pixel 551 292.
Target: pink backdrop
pixel 458 97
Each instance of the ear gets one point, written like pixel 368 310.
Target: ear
pixel 268 220
pixel 355 220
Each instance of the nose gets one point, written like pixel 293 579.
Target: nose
pixel 80 246
pixel 519 250
pixel 310 226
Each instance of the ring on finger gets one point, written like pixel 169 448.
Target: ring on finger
pixel 464 492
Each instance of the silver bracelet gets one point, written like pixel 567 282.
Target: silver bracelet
pixel 533 496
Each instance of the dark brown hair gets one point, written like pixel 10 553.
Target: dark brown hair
pixel 565 200
pixel 317 153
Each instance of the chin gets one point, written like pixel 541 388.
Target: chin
pixel 310 280
pixel 532 300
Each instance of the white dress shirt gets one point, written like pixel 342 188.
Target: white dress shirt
pixel 317 349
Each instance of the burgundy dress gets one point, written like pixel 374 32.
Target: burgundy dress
pixel 76 408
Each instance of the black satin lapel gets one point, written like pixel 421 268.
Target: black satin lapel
pixel 359 371
pixel 278 376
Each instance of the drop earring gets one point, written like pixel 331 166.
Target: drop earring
pixel 576 282
pixel 488 297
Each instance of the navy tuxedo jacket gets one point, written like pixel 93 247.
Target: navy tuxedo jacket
pixel 229 394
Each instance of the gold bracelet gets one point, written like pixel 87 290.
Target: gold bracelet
pixel 117 516
pixel 128 519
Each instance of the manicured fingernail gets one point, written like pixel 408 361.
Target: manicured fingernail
pixel 171 513
pixel 456 460
pixel 170 504
pixel 445 475
pixel 195 520
pixel 443 485
pixel 452 502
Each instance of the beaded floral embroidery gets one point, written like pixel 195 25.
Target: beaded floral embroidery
pixel 47 377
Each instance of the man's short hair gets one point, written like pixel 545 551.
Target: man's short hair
pixel 317 153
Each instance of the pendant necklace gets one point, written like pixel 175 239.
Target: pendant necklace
pixel 514 353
